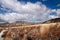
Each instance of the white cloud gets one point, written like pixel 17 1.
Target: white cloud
pixel 26 11
pixel 53 16
pixel 58 5
pixel 12 17
pixel 58 12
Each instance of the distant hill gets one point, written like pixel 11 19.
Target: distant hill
pixel 2 21
pixel 23 23
pixel 15 24
pixel 53 20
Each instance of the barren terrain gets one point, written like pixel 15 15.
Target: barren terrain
pixel 40 31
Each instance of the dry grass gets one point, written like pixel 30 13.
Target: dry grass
pixel 50 31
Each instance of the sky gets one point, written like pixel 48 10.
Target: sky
pixel 29 10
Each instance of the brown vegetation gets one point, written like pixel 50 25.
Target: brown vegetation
pixel 49 31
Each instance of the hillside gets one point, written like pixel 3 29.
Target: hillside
pixel 16 24
pixel 49 30
pixel 23 23
pixel 53 20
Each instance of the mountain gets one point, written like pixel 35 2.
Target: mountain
pixel 15 24
pixel 23 23
pixel 49 31
pixel 2 21
pixel 53 20
pixel 26 31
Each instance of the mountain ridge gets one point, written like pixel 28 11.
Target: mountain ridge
pixel 53 20
pixel 23 23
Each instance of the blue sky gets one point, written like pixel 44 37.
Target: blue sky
pixel 29 10
pixel 49 3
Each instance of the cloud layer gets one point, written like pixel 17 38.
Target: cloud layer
pixel 26 11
